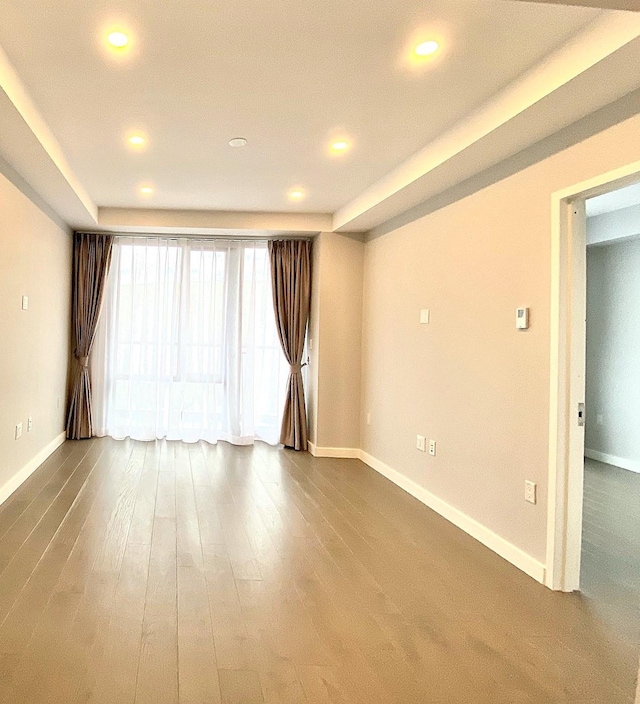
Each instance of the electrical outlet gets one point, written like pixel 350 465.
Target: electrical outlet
pixel 432 448
pixel 421 443
pixel 368 418
pixel 25 303
pixel 18 430
pixel 530 491
pixel 29 424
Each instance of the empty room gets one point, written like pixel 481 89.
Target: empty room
pixel 310 314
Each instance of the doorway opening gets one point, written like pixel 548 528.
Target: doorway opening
pixel 610 555
pixel 574 487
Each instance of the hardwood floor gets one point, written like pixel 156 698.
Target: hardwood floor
pixel 610 572
pixel 165 573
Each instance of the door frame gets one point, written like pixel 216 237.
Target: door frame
pixel 567 373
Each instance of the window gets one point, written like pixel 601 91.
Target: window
pixel 187 346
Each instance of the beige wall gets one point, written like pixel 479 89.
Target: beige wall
pixel 470 380
pixel 336 331
pixel 35 260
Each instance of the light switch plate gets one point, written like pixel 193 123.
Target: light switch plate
pixel 424 316
pixel 421 443
pixel 18 430
pixel 25 303
pixel 522 318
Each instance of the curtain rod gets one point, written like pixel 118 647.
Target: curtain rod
pixel 168 236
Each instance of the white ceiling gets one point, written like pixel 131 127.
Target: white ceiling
pixel 615 200
pixel 287 76
pixel 290 77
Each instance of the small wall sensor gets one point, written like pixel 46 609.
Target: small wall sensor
pixel 522 318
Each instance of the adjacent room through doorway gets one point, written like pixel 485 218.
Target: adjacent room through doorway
pixel 610 568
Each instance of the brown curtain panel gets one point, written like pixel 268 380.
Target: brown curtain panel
pixel 291 281
pixel 91 258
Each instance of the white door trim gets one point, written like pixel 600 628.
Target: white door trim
pixel 567 372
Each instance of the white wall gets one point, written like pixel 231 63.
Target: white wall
pixel 470 380
pixel 35 260
pixel 613 353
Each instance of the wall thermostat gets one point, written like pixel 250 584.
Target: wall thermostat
pixel 522 318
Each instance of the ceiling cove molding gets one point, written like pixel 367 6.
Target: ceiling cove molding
pixel 593 69
pixel 140 220
pixel 474 143
pixel 632 5
pixel 593 123
pixel 27 137
pixel 8 172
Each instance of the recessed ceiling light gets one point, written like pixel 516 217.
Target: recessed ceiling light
pixel 146 190
pixel 136 140
pixel 340 146
pixel 237 142
pixel 427 48
pixel 118 40
pixel 296 194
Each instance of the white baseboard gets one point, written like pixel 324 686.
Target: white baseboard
pixel 622 462
pixel 493 541
pixel 338 452
pixel 29 468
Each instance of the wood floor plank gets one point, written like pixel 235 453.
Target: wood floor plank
pixel 24 617
pixel 197 664
pixel 18 532
pixel 26 553
pixel 122 648
pixel 22 497
pixel 89 635
pixel 161 572
pixel 240 687
pixel 44 665
pixel 158 667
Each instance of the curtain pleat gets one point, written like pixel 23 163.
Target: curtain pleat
pixel 91 258
pixel 291 284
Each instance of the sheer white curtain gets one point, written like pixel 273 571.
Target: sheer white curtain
pixel 186 347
